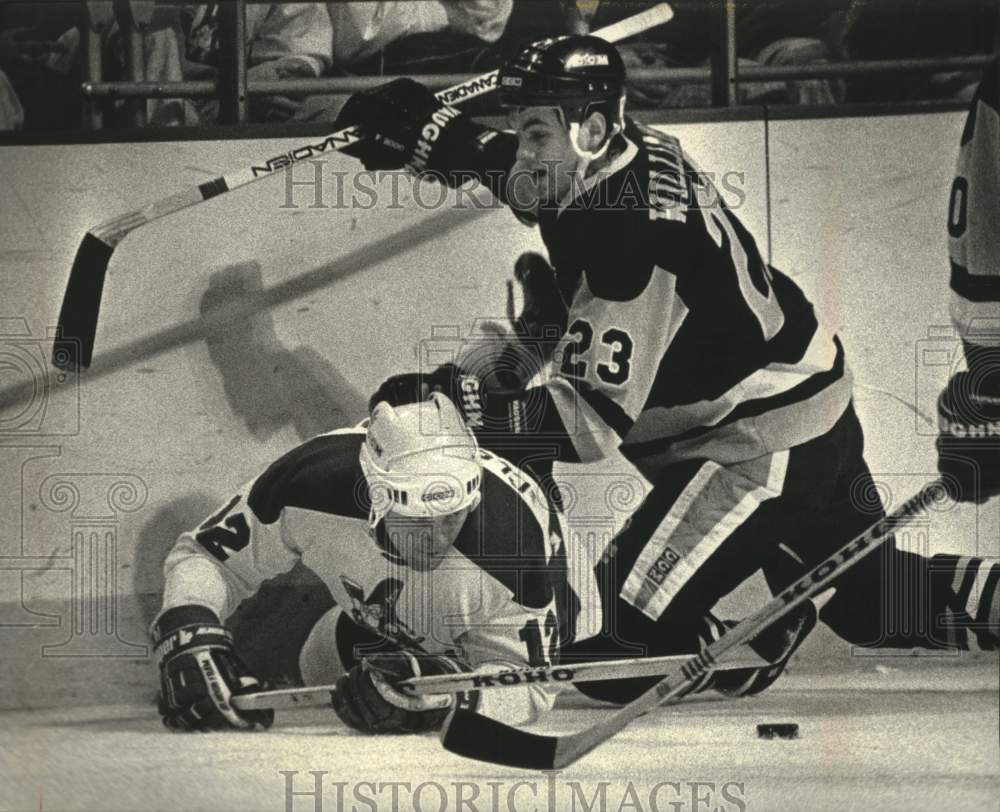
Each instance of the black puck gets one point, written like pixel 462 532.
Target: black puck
pixel 778 730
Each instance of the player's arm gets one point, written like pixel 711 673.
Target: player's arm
pixel 208 572
pixel 498 638
pixel 607 362
pixel 516 637
pixel 969 407
pixel 407 127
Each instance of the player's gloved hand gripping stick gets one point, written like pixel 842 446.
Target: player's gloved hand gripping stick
pixel 77 327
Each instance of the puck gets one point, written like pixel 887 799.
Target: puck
pixel 778 730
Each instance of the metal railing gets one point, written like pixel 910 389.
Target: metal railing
pixel 232 88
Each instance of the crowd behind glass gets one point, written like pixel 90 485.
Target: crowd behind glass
pixel 41 70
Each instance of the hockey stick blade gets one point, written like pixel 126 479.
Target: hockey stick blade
pixel 469 734
pixel 507 678
pixel 76 329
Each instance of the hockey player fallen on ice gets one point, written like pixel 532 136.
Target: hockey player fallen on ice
pixel 440 557
pixel 682 348
pixel 437 554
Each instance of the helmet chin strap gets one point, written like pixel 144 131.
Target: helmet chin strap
pixel 585 156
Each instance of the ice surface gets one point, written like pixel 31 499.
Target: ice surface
pixel 923 739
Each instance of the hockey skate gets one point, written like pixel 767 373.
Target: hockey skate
pixel 775 644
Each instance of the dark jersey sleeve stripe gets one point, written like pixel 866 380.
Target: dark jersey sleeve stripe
pixel 322 474
pixel 503 538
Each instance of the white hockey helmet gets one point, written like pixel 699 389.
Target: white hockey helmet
pixel 420 460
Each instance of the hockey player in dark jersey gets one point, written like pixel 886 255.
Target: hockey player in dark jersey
pixel 707 368
pixel 969 407
pixel 439 557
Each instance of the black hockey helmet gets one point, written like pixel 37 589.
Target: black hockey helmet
pixel 578 74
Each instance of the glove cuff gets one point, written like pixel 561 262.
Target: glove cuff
pixel 186 627
pixel 187 615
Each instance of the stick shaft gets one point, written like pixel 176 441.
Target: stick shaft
pixel 311 695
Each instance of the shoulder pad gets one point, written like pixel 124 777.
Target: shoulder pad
pixel 322 474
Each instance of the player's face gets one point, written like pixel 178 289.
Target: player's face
pixel 546 160
pixel 423 543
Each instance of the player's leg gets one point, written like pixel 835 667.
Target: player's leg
pixel 335 644
pixel 701 532
pixel 893 598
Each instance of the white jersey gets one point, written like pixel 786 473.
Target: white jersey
pixel 974 221
pixel 492 603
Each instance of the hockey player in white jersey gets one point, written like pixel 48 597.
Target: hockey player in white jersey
pixel 440 557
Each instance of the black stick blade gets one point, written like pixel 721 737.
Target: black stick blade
pixel 77 327
pixel 475 736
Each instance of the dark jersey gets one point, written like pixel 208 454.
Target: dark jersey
pixel 681 342
pixel 974 221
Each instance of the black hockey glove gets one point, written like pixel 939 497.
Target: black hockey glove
pixel 542 321
pixel 406 127
pixel 200 671
pixel 969 440
pixel 366 700
pixel 490 398
pixel 776 644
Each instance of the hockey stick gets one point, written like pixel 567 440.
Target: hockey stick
pixel 508 678
pixel 77 326
pixel 474 736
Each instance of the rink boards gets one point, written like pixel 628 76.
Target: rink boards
pixel 234 330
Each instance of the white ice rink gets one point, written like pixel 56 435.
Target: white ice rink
pixel 879 739
pixel 187 400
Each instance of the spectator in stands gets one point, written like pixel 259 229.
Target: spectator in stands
pixel 403 37
pixel 532 20
pixel 768 32
pixel 283 40
pixel 39 80
pixel 11 111
pixel 902 29
pixel 792 32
